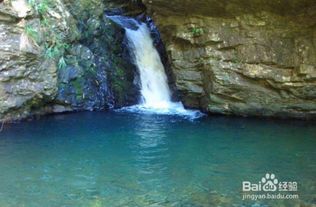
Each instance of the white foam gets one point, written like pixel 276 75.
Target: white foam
pixel 174 109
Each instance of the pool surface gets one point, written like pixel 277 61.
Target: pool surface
pixel 123 159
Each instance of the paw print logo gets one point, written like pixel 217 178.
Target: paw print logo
pixel 269 182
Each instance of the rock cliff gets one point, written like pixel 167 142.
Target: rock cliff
pixel 243 57
pixel 58 56
pixel 26 80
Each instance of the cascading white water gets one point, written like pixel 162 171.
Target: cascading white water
pixel 154 83
pixel 155 91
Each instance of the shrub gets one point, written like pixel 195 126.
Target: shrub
pixel 197 31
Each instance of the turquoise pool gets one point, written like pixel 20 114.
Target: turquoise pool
pixel 123 159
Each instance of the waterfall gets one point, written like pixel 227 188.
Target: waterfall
pixel 154 83
pixel 155 91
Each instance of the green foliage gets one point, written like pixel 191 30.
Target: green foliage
pixel 197 31
pixel 45 22
pixel 55 51
pixel 31 32
pixel 54 41
pixel 62 63
pixel 41 6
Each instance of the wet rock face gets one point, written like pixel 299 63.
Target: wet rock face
pixel 242 57
pixel 99 74
pixel 26 80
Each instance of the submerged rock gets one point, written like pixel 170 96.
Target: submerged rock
pixel 241 57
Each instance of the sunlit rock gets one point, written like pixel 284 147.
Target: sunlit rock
pixel 254 57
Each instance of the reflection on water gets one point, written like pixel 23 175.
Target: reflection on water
pixel 121 159
pixel 151 152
